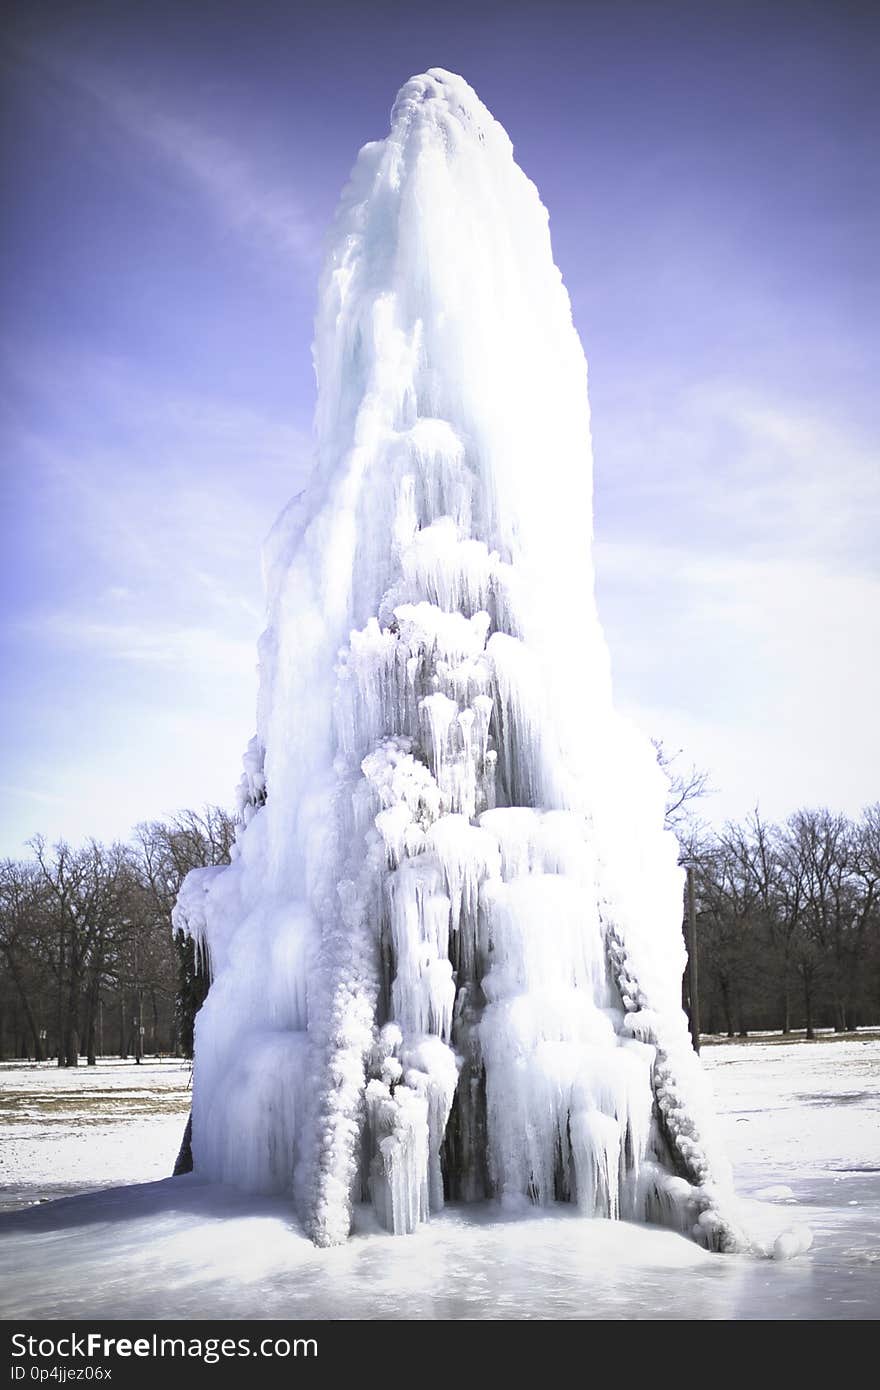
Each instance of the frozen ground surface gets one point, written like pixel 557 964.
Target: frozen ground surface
pixel 69 1131
pixel 801 1122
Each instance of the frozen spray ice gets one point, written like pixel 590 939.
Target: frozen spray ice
pixel 447 955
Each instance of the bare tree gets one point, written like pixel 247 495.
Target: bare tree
pixel 23 930
pixel 687 785
pixel 789 928
pixel 837 911
pixel 87 892
pixel 168 850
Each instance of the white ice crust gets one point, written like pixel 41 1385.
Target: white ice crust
pixel 447 955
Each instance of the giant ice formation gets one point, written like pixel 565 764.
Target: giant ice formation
pixel 447 955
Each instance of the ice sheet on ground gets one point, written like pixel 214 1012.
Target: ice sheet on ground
pixel 182 1248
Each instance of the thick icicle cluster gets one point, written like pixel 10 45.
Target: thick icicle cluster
pixel 447 955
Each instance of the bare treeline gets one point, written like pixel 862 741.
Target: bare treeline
pixel 88 963
pixel 788 927
pixel 789 922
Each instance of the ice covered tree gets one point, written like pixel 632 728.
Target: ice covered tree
pixel 447 953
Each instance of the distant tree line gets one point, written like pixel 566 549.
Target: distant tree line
pixel 89 965
pixel 788 916
pixel 788 921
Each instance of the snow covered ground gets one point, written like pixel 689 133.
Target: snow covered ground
pixel 68 1131
pixel 800 1121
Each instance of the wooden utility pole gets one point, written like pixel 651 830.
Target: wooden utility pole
pixel 693 973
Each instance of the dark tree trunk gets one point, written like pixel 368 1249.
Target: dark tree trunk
pixel 28 1011
pixel 725 1000
pixel 59 1016
pixel 72 1036
pixel 742 1031
pixel 808 1006
pixel 184 1160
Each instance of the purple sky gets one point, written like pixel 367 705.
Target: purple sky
pixel 710 171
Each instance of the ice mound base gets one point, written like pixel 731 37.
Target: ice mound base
pixel 447 956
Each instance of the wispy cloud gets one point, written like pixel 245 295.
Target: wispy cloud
pixel 801 482
pixel 764 670
pixel 140 511
pixel 247 201
pixel 728 466
pixel 179 647
pixel 148 484
pixel 739 588
pixel 216 169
